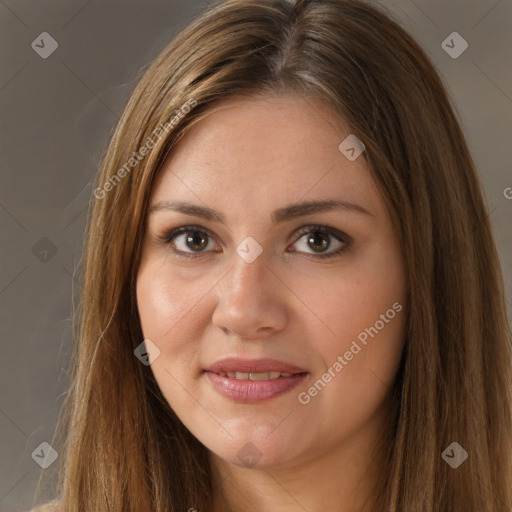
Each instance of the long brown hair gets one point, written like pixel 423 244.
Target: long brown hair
pixel 125 449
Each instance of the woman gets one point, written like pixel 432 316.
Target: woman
pixel 292 297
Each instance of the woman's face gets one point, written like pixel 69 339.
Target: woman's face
pixel 254 279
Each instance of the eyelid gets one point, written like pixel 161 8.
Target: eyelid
pixel 340 236
pixel 168 235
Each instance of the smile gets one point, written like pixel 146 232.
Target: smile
pixel 255 375
pixel 250 387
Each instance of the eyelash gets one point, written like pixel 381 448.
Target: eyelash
pixel 168 237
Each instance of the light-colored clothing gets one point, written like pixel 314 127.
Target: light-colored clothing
pixel 47 507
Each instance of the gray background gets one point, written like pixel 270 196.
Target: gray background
pixel 56 116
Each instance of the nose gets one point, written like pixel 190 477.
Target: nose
pixel 251 300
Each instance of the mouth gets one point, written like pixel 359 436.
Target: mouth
pixel 256 375
pixel 246 381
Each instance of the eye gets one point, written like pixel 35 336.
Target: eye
pixel 318 238
pixel 187 240
pixel 192 241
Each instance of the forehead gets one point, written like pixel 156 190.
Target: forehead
pixel 270 151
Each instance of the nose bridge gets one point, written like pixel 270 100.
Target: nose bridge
pixel 248 302
pixel 249 270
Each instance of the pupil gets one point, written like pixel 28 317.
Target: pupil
pixel 324 242
pixel 196 240
pixel 318 240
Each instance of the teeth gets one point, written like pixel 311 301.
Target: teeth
pixel 259 376
pixel 255 375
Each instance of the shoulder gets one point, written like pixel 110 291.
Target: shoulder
pixel 47 507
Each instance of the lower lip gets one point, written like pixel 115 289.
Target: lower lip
pixel 250 391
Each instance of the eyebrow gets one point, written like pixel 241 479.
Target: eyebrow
pixel 280 215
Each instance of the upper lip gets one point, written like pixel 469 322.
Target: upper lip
pixel 233 364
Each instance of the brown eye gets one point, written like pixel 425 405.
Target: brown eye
pixel 320 238
pixel 187 240
pixel 318 241
pixel 192 241
pixel 197 241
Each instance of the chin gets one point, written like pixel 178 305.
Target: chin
pixel 253 453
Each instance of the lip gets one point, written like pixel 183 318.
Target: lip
pixel 234 364
pixel 251 391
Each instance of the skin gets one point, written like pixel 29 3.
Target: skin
pixel 246 160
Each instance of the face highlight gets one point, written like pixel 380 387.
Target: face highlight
pixel 265 242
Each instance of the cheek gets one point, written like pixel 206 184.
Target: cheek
pixel 354 296
pixel 362 310
pixel 172 314
pixel 171 311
